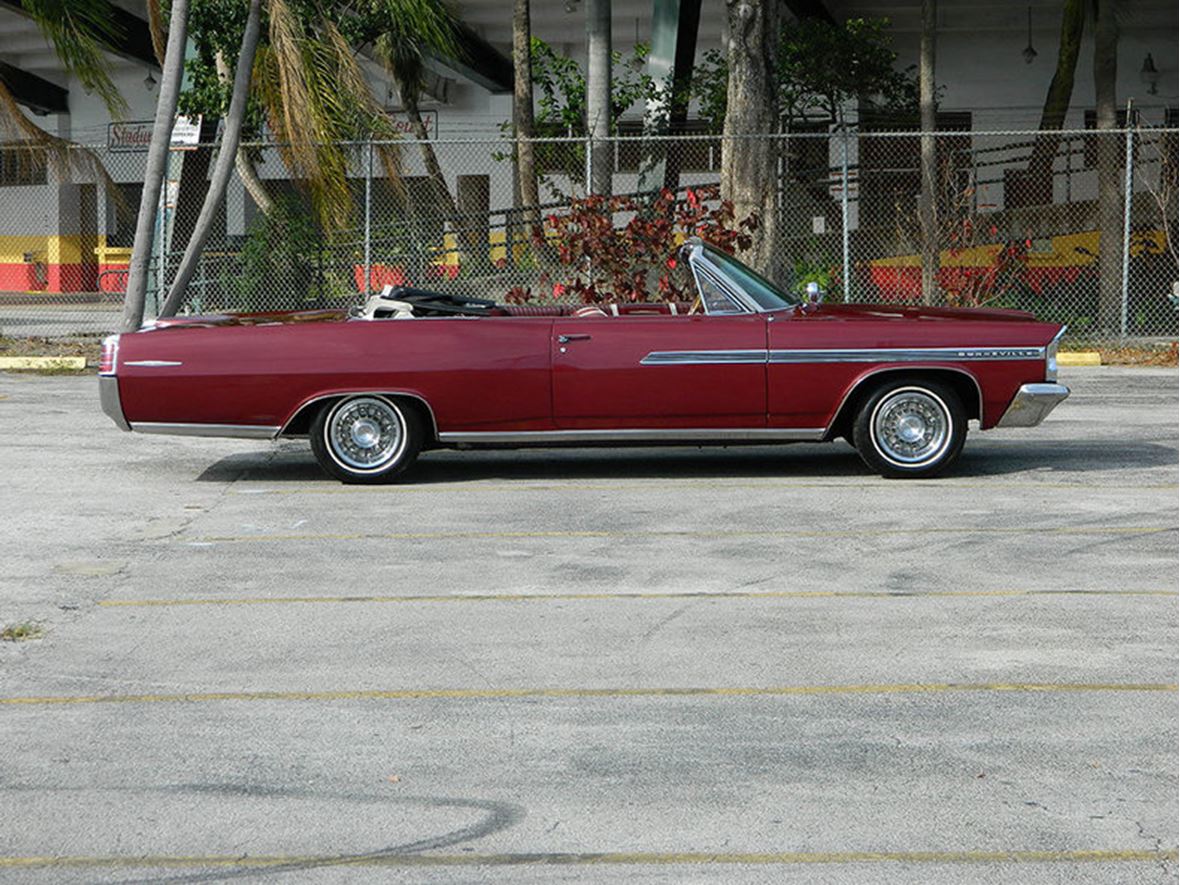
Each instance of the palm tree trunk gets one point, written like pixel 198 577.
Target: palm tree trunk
pixel 522 112
pixel 749 156
pixel 598 94
pixel 1110 183
pixel 242 162
pixel 928 200
pixel 1040 165
pixel 157 162
pixel 225 162
pixel 409 93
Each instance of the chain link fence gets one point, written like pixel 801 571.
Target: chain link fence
pixel 1075 226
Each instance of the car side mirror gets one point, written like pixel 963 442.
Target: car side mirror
pixel 814 295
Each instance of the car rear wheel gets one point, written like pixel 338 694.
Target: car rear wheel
pixel 910 428
pixel 366 438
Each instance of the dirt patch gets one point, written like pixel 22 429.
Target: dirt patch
pixel 1157 355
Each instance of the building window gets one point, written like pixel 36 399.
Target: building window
pixel 21 167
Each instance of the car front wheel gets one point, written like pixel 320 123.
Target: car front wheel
pixel 910 428
pixel 366 438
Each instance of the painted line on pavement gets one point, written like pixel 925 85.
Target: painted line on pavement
pixel 606 858
pixel 555 597
pixel 633 534
pixel 509 693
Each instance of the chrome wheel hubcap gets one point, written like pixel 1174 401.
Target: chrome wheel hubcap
pixel 911 427
pixel 365 433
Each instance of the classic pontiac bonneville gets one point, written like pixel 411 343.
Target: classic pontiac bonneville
pixel 744 363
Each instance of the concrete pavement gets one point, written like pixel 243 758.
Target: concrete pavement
pixel 674 665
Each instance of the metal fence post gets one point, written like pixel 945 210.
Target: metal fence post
pixel 1128 185
pixel 844 207
pixel 589 162
pixel 369 216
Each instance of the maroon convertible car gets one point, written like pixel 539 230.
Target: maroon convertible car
pixel 744 363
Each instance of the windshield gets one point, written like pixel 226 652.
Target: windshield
pixel 765 293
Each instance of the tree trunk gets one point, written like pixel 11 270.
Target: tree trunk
pixel 156 166
pixel 409 93
pixel 1110 174
pixel 749 156
pixel 522 114
pixel 598 94
pixel 928 199
pixel 222 169
pixel 1057 100
pixel 242 162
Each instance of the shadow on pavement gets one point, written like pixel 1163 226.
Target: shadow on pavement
pixel 801 461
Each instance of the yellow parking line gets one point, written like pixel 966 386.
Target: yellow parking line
pixel 606 858
pixel 555 597
pixel 685 533
pixel 509 693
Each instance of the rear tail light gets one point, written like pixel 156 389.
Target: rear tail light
pixel 110 355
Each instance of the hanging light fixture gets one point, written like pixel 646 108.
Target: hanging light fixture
pixel 1029 53
pixel 149 82
pixel 1149 76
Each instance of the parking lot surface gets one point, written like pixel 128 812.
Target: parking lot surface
pixel 743 665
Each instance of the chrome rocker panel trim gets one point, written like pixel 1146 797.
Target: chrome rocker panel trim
pixel 1032 403
pixel 108 396
pixel 637 435
pixel 230 431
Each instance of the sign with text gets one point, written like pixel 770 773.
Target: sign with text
pixel 136 135
pixel 402 124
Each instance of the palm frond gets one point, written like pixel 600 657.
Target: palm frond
pixel 156 29
pixel 315 97
pixel 21 137
pixel 77 30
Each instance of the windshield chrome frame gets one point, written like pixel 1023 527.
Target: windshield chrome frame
pixel 699 261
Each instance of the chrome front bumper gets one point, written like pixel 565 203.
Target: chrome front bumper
pixel 1032 403
pixel 108 395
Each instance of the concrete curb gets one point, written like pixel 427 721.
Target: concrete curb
pixel 75 363
pixel 1080 358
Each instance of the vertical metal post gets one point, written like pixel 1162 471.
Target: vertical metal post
pixel 161 235
pixel 1128 185
pixel 589 164
pixel 844 207
pixel 369 216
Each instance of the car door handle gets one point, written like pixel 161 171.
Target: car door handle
pixel 566 339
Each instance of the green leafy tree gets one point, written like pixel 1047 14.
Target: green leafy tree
pixel 821 67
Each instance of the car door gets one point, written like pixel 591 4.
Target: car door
pixel 659 371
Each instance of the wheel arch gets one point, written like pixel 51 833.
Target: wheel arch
pixel 300 421
pixel 961 381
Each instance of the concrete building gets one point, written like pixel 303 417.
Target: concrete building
pixel 66 234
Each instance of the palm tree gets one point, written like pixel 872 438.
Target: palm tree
pixel 1057 99
pixel 928 200
pixel 155 167
pixel 1110 182
pixel 522 112
pixel 226 157
pixel 749 164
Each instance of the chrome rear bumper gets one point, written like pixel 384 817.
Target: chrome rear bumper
pixel 108 395
pixel 1032 403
